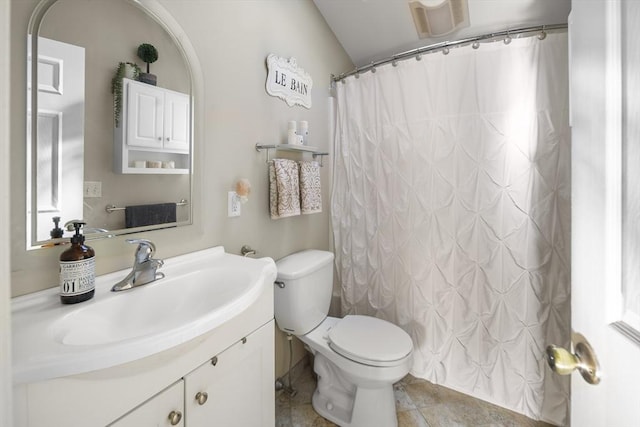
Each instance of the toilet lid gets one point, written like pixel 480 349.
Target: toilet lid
pixel 370 340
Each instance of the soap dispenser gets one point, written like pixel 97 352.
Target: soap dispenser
pixel 77 270
pixel 56 232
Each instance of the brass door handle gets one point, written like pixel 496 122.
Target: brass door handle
pixel 583 359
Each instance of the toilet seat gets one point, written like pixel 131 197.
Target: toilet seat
pixel 370 341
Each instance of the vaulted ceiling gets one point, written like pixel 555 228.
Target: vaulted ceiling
pixel 374 29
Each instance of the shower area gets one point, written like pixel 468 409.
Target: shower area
pixel 451 213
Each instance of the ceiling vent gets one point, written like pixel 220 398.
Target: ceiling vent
pixel 434 18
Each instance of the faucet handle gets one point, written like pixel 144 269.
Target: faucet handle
pixel 145 250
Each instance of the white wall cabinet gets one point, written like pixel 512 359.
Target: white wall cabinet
pixel 164 409
pixel 154 126
pixel 234 387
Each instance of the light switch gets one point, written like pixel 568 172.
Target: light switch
pixel 233 204
pixel 92 189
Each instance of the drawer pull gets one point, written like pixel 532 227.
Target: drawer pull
pixel 175 417
pixel 201 397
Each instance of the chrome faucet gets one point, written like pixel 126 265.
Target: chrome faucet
pixel 144 267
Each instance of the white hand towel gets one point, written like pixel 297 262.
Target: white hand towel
pixel 284 188
pixel 310 188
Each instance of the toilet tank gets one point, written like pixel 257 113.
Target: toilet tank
pixel 302 302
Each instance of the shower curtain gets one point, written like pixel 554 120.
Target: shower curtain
pixel 451 214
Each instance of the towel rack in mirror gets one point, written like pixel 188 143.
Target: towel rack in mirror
pixel 113 208
pixel 287 147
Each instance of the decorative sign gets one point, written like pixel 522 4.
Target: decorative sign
pixel 288 82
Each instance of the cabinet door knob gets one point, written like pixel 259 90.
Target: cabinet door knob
pixel 168 139
pixel 201 397
pixel 159 138
pixel 175 417
pixel 214 360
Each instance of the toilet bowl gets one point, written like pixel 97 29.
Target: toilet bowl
pixel 357 358
pixel 357 389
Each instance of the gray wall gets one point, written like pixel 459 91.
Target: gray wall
pixel 232 38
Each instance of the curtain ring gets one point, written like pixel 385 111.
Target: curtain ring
pixel 543 34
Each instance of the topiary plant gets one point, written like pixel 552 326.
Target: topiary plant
pixel 116 85
pixel 148 53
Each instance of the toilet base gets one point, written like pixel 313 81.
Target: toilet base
pixel 339 401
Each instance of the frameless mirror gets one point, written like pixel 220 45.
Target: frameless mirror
pixel 118 180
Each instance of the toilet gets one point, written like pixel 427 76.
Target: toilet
pixel 357 358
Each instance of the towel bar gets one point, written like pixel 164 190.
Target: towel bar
pixel 112 208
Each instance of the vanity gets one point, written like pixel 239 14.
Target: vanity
pixel 195 348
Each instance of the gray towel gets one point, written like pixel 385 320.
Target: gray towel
pixel 141 215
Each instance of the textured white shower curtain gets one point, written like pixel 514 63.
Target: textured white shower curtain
pixel 451 214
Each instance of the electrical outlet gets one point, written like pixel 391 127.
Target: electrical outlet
pixel 233 206
pixel 92 189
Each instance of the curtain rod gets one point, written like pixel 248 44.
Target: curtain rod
pixel 506 35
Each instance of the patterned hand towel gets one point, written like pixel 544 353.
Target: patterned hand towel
pixel 284 189
pixel 310 189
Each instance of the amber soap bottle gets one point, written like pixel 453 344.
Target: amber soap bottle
pixel 77 270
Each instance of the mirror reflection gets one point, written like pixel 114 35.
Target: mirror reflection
pixel 119 179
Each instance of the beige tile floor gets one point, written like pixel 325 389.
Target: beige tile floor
pixel 418 403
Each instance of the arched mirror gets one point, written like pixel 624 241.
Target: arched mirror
pixel 122 163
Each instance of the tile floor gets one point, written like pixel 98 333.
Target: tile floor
pixel 418 402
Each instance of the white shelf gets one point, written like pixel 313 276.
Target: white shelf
pixel 155 171
pixel 289 147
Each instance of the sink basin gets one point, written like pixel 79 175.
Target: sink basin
pixel 200 291
pixel 166 304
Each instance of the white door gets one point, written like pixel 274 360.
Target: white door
pixel 597 137
pixel 176 121
pixel 235 388
pixel 165 409
pixel 145 115
pixel 60 147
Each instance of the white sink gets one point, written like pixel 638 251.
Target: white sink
pixel 200 291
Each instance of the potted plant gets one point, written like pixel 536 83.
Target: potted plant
pixel 149 54
pixel 127 70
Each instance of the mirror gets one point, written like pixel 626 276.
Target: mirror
pixel 76 168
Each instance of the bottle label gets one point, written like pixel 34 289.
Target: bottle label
pixel 77 277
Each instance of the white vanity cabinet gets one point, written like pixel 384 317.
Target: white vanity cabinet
pixel 237 391
pixel 234 387
pixel 233 293
pixel 154 126
pixel 164 409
